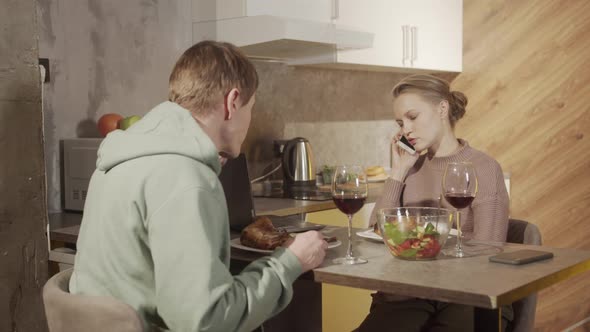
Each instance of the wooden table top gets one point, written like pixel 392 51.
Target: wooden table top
pixel 472 281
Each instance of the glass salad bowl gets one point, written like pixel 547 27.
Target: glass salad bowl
pixel 415 233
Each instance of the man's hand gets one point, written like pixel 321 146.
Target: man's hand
pixel 310 248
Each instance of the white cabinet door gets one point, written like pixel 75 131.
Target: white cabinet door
pixel 379 17
pixel 436 34
pixel 409 34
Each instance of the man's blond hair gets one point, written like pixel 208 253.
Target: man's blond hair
pixel 206 72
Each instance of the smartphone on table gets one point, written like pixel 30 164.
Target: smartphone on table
pixel 520 257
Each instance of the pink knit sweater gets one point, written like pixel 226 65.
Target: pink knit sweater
pixel 487 217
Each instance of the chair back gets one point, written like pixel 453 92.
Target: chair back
pixel 71 312
pixel 520 231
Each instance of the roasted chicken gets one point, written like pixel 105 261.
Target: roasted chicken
pixel 262 234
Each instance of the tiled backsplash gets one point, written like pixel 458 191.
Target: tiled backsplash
pixel 355 142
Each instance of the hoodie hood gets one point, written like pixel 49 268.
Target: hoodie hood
pixel 166 129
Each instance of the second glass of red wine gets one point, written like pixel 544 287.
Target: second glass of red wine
pixel 459 186
pixel 349 191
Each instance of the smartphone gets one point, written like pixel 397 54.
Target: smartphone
pixel 520 257
pixel 405 144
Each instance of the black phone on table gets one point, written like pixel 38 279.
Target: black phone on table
pixel 520 257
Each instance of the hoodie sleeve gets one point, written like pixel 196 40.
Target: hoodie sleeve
pixel 194 288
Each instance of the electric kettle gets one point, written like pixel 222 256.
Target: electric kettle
pixel 298 163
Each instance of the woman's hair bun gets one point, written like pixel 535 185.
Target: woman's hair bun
pixel 458 105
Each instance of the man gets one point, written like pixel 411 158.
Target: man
pixel 155 230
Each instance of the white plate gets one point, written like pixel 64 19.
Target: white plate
pixel 371 235
pixel 235 243
pixel 378 178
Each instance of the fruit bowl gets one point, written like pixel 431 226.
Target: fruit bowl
pixel 415 233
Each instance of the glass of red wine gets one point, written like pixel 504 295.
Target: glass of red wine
pixel 349 191
pixel 459 186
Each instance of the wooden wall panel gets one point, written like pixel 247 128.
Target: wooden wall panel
pixel 527 76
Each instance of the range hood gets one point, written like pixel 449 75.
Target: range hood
pixel 281 38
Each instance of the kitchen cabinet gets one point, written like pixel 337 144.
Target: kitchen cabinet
pixel 279 30
pixel 436 34
pixel 312 10
pixel 418 34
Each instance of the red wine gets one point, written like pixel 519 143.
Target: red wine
pixel 458 200
pixel 349 204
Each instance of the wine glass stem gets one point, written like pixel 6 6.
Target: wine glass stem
pixel 459 246
pixel 349 254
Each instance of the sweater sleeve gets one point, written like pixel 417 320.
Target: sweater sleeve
pixel 491 205
pixel 390 197
pixel 194 288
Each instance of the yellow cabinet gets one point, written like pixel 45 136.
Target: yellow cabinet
pixel 343 308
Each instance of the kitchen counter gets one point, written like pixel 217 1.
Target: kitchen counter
pixel 64 227
pixel 286 207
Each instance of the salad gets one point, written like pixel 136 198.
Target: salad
pixel 419 243
pixel 328 175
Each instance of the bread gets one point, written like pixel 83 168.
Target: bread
pixel 262 234
pixel 375 170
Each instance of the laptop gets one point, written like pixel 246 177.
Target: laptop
pixel 238 194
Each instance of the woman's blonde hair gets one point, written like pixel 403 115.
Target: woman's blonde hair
pixel 206 72
pixel 434 89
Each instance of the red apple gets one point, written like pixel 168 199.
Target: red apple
pixel 108 123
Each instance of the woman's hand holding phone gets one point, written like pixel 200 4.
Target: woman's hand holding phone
pixel 401 160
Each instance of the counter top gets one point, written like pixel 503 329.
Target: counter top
pixel 65 226
pixel 285 207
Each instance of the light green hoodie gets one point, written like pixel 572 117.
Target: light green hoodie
pixel 155 233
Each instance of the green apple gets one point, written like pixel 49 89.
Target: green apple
pixel 128 121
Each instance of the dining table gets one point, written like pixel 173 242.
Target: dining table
pixel 473 281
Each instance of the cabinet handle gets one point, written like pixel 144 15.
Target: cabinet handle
pixel 414 44
pixel 405 44
pixel 335 9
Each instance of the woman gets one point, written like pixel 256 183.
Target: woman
pixel 427 110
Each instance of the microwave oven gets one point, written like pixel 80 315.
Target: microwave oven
pixel 78 164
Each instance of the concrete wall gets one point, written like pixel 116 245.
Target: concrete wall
pixel 23 245
pixel 115 56
pixel 105 56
